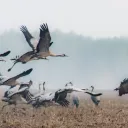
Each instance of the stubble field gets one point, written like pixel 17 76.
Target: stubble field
pixel 112 113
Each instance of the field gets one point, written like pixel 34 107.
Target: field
pixel 112 113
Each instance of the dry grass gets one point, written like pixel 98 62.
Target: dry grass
pixel 112 113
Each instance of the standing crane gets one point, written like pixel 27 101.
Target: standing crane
pixel 42 49
pixel 39 87
pixel 43 88
pixel 4 54
pixel 95 99
pixel 28 55
pixel 13 81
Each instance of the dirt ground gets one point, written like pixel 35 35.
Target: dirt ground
pixel 112 113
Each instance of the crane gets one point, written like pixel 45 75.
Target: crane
pixel 42 49
pixel 40 91
pixel 26 57
pixel 95 99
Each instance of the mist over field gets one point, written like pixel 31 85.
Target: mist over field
pixel 94 36
pixel 101 62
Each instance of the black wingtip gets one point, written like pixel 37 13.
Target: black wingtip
pixel 5 54
pixel 29 71
pixel 8 52
pixel 23 28
pixel 50 44
pixel 9 70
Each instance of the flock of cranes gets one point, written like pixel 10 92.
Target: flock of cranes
pixel 20 92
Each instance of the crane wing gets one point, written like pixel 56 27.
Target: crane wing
pixel 5 54
pixel 45 39
pixel 27 72
pixel 13 79
pixel 60 97
pixel 28 36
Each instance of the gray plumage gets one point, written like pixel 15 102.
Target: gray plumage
pixel 16 97
pixel 95 99
pixel 13 81
pixel 28 36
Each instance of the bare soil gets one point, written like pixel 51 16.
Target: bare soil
pixel 111 113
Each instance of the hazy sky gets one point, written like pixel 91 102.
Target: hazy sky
pixel 98 18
